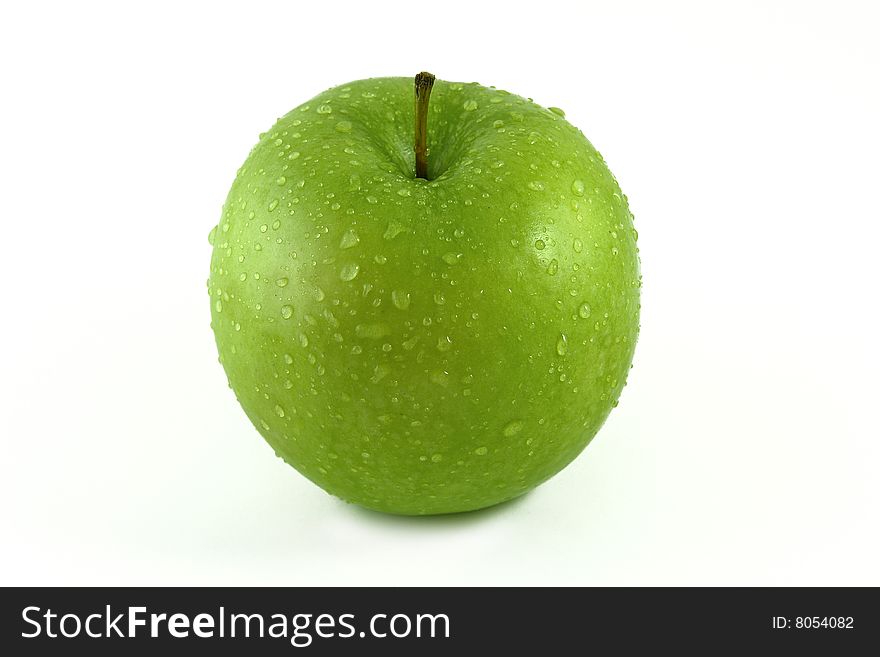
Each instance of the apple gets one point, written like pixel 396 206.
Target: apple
pixel 425 307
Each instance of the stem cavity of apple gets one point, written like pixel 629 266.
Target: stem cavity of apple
pixel 424 82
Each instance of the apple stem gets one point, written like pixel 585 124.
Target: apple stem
pixel 424 84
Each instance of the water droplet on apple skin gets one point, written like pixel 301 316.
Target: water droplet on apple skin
pixel 400 299
pixel 393 230
pixel 349 271
pixel 349 239
pixel 512 428
pixel 372 331
pixel 562 345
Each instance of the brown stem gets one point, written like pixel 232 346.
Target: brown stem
pixel 424 83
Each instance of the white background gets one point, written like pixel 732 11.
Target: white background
pixel 745 449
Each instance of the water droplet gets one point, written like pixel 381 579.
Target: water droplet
pixel 319 294
pixel 557 111
pixel 553 267
pixel 282 282
pixel 577 188
pixel 288 359
pixel 279 411
pixel 444 343
pixel 481 451
pixel 436 458
pixel 440 377
pixel 264 424
pixel 349 271
pixel 539 244
pixel 562 345
pixel 372 200
pixel 211 235
pixel 293 155
pixel 273 205
pixel 264 228
pixel 451 258
pixel 614 250
pixel 400 299
pixel 343 126
pixel 584 311
pixel 286 311
pixel 324 108
pixel 349 239
pixel 379 372
pixel 394 229
pixel 578 245
pixel 512 428
pixel 536 185
pixel 373 331
pixel 218 306
pixel 280 180
pixel 439 298
pixel 470 105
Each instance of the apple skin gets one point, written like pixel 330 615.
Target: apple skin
pixel 425 346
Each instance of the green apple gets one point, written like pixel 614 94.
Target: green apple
pixel 434 343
